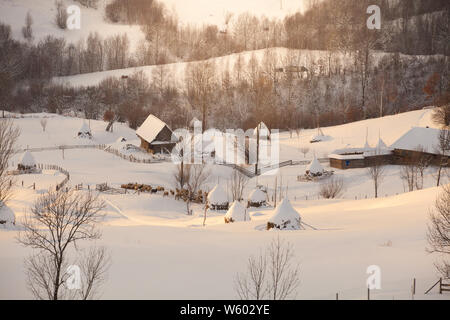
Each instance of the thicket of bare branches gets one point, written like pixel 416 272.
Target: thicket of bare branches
pixel 443 149
pixel 441 115
pixel 439 230
pixel 8 138
pixel 59 221
pixel 332 188
pixel 60 14
pixel 270 275
pixel 238 183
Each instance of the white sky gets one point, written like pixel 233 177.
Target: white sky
pixel 213 11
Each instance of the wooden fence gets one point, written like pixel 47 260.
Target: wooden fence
pixel 57 168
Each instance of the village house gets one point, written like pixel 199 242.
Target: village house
pixel 156 136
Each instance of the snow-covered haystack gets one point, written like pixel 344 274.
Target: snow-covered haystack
pixel 285 217
pixel 315 169
pixel 257 198
pixel 236 213
pixel 7 217
pixel 218 198
pixel 85 131
pixel 27 163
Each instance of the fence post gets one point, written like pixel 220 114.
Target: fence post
pixel 337 296
pixel 368 293
pixel 440 285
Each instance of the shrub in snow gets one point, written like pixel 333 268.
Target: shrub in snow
pixel 236 213
pixel 285 217
pixel 257 198
pixel 218 198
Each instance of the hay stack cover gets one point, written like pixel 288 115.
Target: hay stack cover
pixel 217 196
pixel 315 167
pixel 257 196
pixel 285 217
pixel 237 213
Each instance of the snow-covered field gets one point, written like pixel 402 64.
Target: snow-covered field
pixel 160 252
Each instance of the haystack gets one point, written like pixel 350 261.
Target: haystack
pixel 285 217
pixel 257 198
pixel 237 213
pixel 218 198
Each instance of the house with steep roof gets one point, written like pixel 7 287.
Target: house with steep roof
pixel 156 136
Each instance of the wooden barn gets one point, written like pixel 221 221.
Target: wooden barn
pixel 352 158
pixel 418 143
pixel 156 136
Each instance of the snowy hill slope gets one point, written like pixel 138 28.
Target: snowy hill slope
pixel 176 71
pixel 13 13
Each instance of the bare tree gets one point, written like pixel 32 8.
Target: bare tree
pixel 271 275
pixel 200 83
pixel 238 183
pixel 305 151
pixel 58 222
pixel 8 139
pixel 423 161
pixel 441 115
pixel 439 230
pixel 43 123
pixel 408 174
pixel 333 188
pixel 376 172
pixel 94 266
pixel 27 30
pixel 443 148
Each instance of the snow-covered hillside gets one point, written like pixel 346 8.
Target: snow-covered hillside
pixel 13 13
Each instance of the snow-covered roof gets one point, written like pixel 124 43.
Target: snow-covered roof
pixel 426 138
pixel 237 212
pixel 84 128
pixel 150 129
pixel 257 196
pixel 315 166
pixel 217 196
pixel 346 156
pixel 286 217
pixel 27 159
